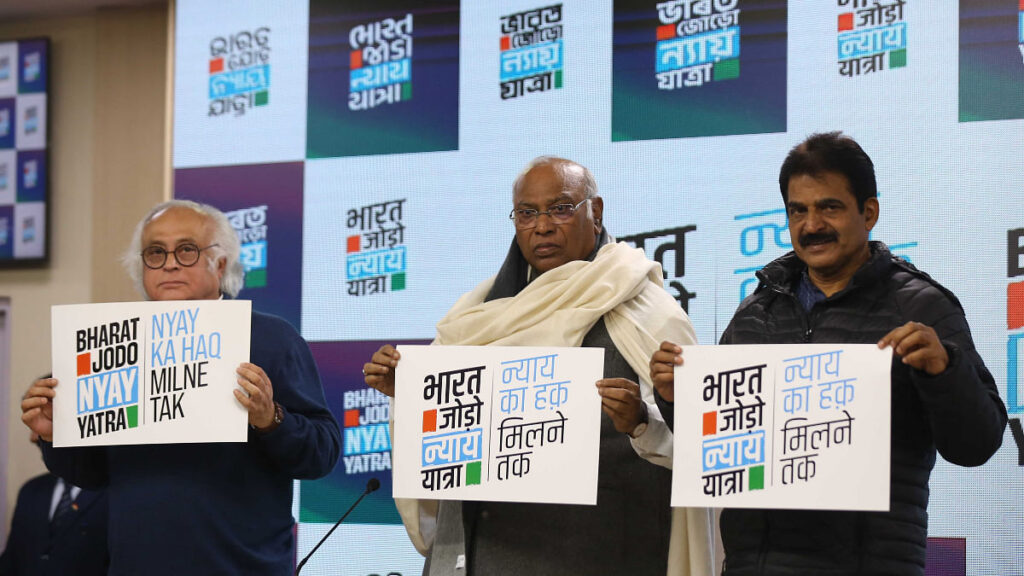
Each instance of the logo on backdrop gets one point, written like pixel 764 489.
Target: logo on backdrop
pixel 107 383
pixel 531 51
pixel 31 120
pixel 868 31
pixel 28 229
pixel 32 66
pixel 377 252
pixel 656 245
pixel 765 237
pixel 251 226
pixel 367 439
pixel 239 72
pixel 1015 334
pixel 5 239
pixel 30 174
pixel 380 63
pixel 697 43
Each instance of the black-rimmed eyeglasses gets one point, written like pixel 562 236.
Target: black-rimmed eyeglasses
pixel 526 218
pixel 154 257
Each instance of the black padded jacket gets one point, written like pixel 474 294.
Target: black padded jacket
pixel 958 412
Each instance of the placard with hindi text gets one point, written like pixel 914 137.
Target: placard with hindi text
pixel 497 423
pixel 782 426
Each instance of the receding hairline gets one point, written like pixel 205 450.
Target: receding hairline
pixel 209 224
pixel 565 169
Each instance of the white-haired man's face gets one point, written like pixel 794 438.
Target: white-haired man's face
pixel 182 230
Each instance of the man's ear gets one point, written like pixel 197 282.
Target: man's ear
pixel 871 209
pixel 597 210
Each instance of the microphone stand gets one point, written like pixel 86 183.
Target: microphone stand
pixel 371 485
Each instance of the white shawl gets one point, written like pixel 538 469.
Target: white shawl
pixel 558 309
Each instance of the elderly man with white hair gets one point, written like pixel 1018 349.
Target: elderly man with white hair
pixel 215 508
pixel 566 282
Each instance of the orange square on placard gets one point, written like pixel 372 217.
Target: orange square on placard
pixel 1015 306
pixel 351 418
pixel 216 65
pixel 429 420
pixel 83 364
pixel 355 59
pixel 846 21
pixel 667 31
pixel 710 423
pixel 353 243
pixel 506 43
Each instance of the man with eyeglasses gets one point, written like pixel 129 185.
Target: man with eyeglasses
pixel 566 282
pixel 838 286
pixel 217 508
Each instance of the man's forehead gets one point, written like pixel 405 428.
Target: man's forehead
pixel 548 183
pixel 817 187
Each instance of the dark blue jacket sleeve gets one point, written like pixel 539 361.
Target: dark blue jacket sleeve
pixel 307 444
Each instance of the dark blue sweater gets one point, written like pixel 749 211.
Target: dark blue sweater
pixel 219 508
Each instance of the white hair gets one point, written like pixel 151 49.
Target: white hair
pixel 571 173
pixel 228 247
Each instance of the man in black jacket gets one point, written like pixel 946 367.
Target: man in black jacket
pixel 839 287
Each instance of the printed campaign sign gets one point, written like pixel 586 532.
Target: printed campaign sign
pixel 497 423
pixel 782 426
pixel 149 372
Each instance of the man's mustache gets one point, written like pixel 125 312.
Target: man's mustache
pixel 818 238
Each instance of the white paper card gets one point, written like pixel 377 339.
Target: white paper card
pixel 782 426
pixel 497 423
pixel 149 372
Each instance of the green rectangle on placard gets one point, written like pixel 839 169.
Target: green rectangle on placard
pixel 261 98
pixel 756 478
pixel 406 91
pixel 472 473
pixel 132 413
pixel 558 78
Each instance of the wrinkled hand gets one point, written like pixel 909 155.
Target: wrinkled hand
pixel 379 372
pixel 37 407
pixel 663 365
pixel 919 346
pixel 621 401
pixel 258 395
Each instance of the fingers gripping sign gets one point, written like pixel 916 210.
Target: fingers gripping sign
pixel 379 372
pixel 256 395
pixel 621 401
pixel 663 365
pixel 37 407
pixel 919 346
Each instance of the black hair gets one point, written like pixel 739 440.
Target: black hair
pixel 831 152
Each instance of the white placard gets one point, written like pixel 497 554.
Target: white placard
pixel 149 372
pixel 498 423
pixel 783 426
